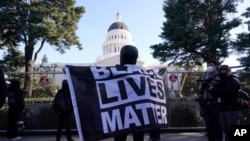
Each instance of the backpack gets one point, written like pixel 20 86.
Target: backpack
pixel 61 103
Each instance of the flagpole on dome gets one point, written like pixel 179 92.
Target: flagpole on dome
pixel 118 17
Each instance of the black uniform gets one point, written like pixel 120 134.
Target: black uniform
pixel 230 114
pixel 227 90
pixel 211 110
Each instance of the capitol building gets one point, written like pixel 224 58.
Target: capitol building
pixel 117 36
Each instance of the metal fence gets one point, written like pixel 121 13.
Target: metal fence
pixel 181 89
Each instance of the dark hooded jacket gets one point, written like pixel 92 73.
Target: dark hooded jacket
pixel 16 97
pixel 227 89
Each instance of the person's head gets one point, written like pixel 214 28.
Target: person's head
pixel 65 84
pixel 211 66
pixel 224 71
pixel 14 84
pixel 128 55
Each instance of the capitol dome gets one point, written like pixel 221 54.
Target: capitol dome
pixel 118 25
pixel 117 36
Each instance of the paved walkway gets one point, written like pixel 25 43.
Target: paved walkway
pixel 164 137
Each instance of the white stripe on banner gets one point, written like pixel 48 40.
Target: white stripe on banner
pixel 74 104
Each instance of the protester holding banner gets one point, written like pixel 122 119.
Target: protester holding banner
pixel 16 106
pixel 114 101
pixel 3 88
pixel 64 115
pixel 128 57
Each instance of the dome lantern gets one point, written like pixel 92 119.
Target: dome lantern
pixel 118 17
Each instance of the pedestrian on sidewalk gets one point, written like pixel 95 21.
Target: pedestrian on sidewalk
pixel 16 106
pixel 62 105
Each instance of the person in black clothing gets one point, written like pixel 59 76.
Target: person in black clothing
pixel 3 89
pixel 227 89
pixel 210 106
pixel 65 116
pixel 154 134
pixel 128 57
pixel 16 106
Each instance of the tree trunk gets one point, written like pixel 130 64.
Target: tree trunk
pixel 28 78
pixel 28 81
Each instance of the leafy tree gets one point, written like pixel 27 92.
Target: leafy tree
pixel 13 61
pixel 242 44
pixel 35 22
pixel 196 31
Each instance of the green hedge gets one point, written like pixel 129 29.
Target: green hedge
pixel 184 115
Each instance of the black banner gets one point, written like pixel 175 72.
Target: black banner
pixel 112 100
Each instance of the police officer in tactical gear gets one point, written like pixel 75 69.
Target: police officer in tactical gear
pixel 210 106
pixel 227 90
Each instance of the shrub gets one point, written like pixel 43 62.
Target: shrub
pixel 184 116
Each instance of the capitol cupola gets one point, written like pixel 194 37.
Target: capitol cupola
pixel 117 36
